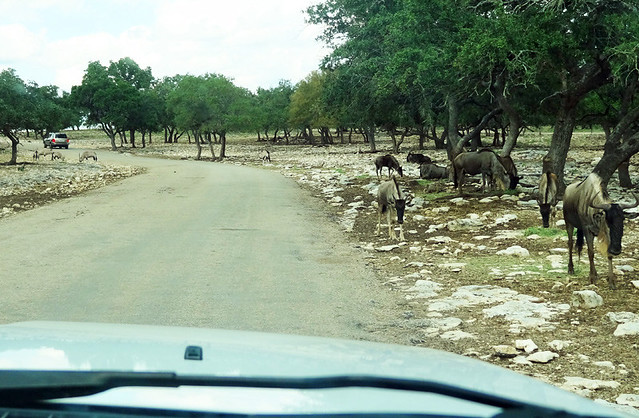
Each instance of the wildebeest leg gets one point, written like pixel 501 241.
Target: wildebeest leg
pixel 569 231
pixel 591 258
pixel 379 221
pixel 612 278
pixel 401 233
pixel 460 180
pixel 391 233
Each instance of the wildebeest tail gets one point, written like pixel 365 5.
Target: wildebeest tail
pixel 580 241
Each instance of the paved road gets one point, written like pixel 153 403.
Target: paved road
pixel 191 244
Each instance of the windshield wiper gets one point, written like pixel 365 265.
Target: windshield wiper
pixel 23 387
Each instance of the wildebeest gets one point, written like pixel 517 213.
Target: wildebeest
pixel 390 198
pixel 547 198
pixel 417 158
pixel 433 171
pixel 85 155
pixel 36 155
pixel 485 163
pixel 509 166
pixel 387 161
pixel 588 208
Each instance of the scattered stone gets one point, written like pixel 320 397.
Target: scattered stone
pixel 542 357
pixel 625 268
pixel 386 248
pixel 559 345
pixel 527 345
pixel 440 239
pixel 456 335
pixel 505 219
pixel 604 364
pixel 424 289
pixel 573 382
pixel 586 299
pixel 459 201
pixel 505 351
pixel 628 328
pixel 515 250
pixel 622 317
pixel 635 283
pixel 629 399
pixel 452 266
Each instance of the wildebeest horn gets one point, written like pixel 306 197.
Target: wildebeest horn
pixel 602 206
pixel 630 205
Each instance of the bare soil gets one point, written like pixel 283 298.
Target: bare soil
pixel 593 353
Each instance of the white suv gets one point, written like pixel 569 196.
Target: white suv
pixel 56 140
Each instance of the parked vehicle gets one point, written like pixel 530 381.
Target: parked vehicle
pixel 55 139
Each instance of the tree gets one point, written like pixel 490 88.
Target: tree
pixel 271 108
pixel 114 97
pixel 307 108
pixel 209 105
pixel 16 107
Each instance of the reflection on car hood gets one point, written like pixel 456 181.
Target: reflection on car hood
pixel 100 347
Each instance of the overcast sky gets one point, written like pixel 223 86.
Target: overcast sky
pixel 257 43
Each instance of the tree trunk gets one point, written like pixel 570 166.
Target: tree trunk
pixel 14 146
pixel 624 174
pixel 514 118
pixel 196 137
pixel 370 134
pixel 560 143
pixel 222 145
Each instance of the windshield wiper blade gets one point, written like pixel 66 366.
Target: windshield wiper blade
pixel 18 387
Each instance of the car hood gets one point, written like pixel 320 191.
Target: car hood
pixel 142 348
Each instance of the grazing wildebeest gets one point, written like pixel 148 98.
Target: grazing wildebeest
pixel 485 163
pixel 509 166
pixel 88 154
pixel 390 162
pixel 547 199
pixel 433 171
pixel 588 208
pixel 417 158
pixel 391 198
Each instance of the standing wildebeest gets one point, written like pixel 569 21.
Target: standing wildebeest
pixel 587 207
pixel 417 158
pixel 433 171
pixel 485 163
pixel 390 162
pixel 547 199
pixel 390 198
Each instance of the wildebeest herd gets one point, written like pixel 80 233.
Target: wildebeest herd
pixel 586 204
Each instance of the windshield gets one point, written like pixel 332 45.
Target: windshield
pixel 450 176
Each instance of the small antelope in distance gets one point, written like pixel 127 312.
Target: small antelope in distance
pixel 390 162
pixel 547 198
pixel 390 198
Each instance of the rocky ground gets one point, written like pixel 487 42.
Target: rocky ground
pixel 475 276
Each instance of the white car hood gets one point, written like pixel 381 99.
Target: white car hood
pixel 109 347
